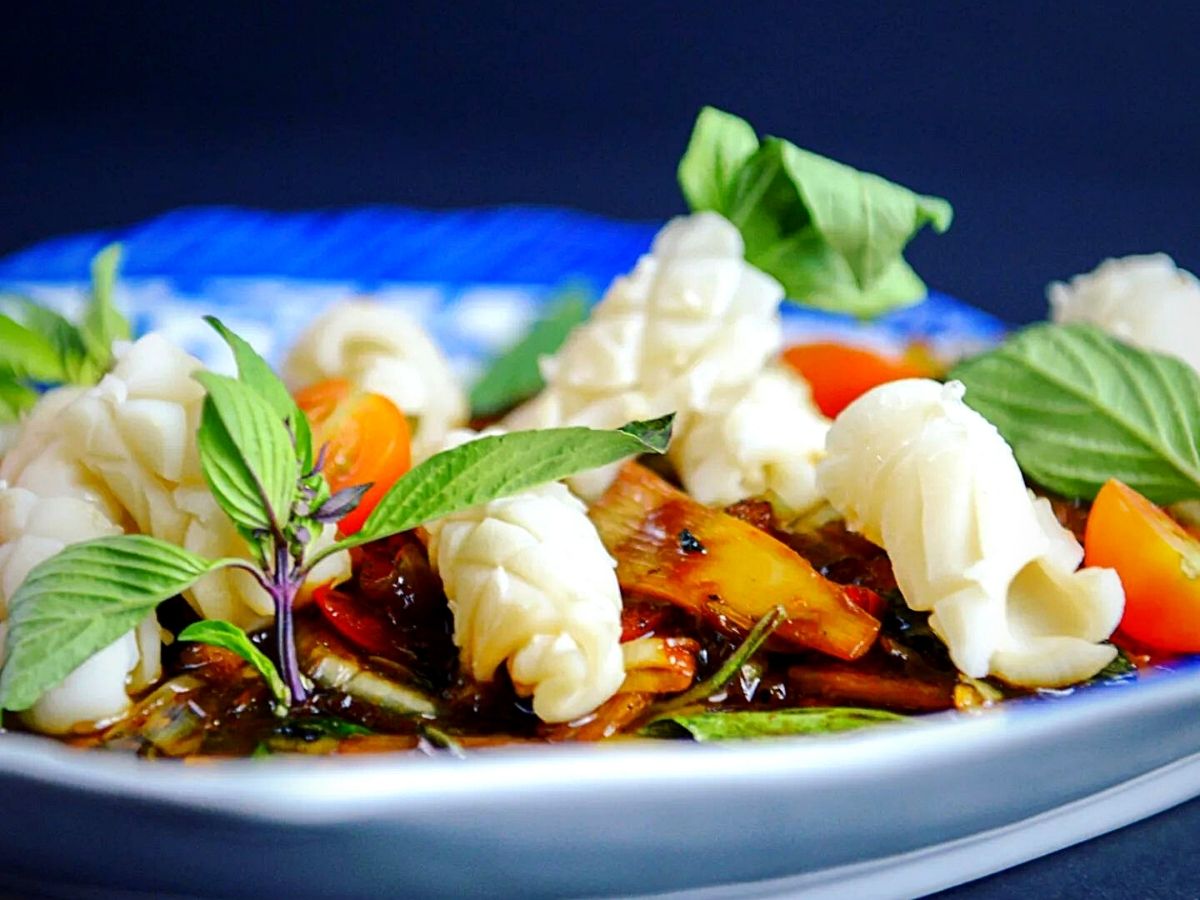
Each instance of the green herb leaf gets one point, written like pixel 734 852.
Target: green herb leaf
pixel 515 376
pixel 256 373
pixel 74 365
pixel 81 600
pixel 27 355
pixel 502 465
pixel 833 236
pixel 15 398
pixel 246 455
pixel 1080 407
pixel 102 323
pixel 720 145
pixel 227 635
pixel 743 724
pixel 716 682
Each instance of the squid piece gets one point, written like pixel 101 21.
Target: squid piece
pixel 1144 300
pixel 766 443
pixel 693 330
pixel 382 350
pixel 919 473
pixel 531 587
pixel 671 548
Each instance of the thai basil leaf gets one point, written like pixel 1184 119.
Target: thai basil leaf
pixel 744 724
pixel 1080 407
pixel 720 145
pixel 229 637
pixel 74 365
pixel 502 465
pixel 833 236
pixel 246 455
pixel 102 322
pixel 515 376
pixel 16 399
pixel 254 372
pixel 81 600
pixel 27 355
pixel 729 669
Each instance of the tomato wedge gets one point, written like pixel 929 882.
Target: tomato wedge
pixel 367 441
pixel 840 373
pixel 1159 566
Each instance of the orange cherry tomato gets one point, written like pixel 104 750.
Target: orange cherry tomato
pixel 367 439
pixel 1159 565
pixel 839 373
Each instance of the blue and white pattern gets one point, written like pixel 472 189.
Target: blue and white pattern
pixel 474 278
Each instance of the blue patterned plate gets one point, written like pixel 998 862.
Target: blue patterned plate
pixel 892 811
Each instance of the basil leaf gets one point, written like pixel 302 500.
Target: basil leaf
pixel 246 455
pixel 502 465
pixel 1080 407
pixel 74 365
pixel 256 373
pixel 514 376
pixel 833 236
pixel 27 355
pixel 716 682
pixel 719 147
pixel 16 399
pixel 82 599
pixel 102 323
pixel 228 636
pixel 743 724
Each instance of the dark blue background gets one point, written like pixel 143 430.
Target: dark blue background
pixel 1062 133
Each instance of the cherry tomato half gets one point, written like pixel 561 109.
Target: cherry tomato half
pixel 1159 566
pixel 367 440
pixel 840 373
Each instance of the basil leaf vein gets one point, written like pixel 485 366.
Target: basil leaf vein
pixel 246 455
pixel 256 373
pixel 503 465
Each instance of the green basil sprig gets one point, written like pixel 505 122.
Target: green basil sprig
pixel 1080 407
pixel 833 236
pixel 39 347
pixel 256 455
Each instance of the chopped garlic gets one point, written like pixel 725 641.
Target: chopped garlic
pixel 122 457
pixel 382 350
pixel 1144 300
pixel 918 472
pixel 692 329
pixel 531 585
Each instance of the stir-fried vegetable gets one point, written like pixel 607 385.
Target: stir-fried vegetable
pixel 671 548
